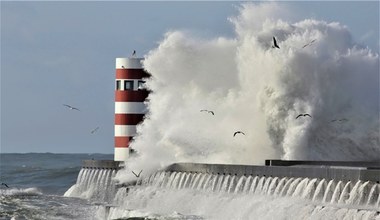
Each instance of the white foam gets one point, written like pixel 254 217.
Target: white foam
pixel 259 90
pixel 20 192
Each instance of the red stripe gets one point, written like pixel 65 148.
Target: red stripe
pixel 131 74
pixel 128 119
pixel 131 95
pixel 122 141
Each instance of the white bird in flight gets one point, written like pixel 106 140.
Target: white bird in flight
pixel 340 120
pixel 204 110
pixel 238 132
pixel 137 175
pixel 275 45
pixel 310 43
pixel 93 131
pixel 304 115
pixel 71 107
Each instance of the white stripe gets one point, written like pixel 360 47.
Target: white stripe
pixel 125 130
pixel 129 63
pixel 130 108
pixel 121 154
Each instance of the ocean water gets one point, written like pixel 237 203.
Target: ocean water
pixel 37 183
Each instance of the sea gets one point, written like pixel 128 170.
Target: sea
pixel 36 183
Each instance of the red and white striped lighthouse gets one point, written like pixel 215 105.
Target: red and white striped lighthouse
pixel 129 103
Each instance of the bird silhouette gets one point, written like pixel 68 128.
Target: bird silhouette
pixel 134 53
pixel 303 115
pixel 310 43
pixel 211 112
pixel 93 131
pixel 3 184
pixel 137 175
pixel 238 132
pixel 275 45
pixel 340 120
pixel 71 107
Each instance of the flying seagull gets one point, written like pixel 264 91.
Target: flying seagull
pixel 204 110
pixel 71 107
pixel 93 131
pixel 275 45
pixel 310 43
pixel 340 120
pixel 134 53
pixel 3 184
pixel 304 115
pixel 137 175
pixel 238 132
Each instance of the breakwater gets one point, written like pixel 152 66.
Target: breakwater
pixel 344 170
pixel 319 190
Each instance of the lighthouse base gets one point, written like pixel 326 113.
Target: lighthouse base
pixel 121 154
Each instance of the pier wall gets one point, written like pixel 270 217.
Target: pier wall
pixel 337 170
pixel 317 170
pixel 101 164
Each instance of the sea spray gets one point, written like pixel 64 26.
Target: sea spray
pixel 297 201
pixel 260 90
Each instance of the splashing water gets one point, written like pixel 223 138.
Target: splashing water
pixel 260 90
pixel 95 184
pixel 202 201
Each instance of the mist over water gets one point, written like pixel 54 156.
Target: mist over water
pixel 260 90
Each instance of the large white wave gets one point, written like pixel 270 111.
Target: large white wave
pixel 260 90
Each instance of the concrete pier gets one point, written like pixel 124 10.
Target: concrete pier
pixel 316 169
pixel 101 164
pixel 364 164
pixel 338 170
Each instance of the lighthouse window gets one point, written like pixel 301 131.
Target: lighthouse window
pixel 128 85
pixel 141 84
pixel 118 85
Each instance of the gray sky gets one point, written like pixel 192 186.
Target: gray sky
pixel 55 53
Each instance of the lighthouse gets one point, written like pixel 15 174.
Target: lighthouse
pixel 130 109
